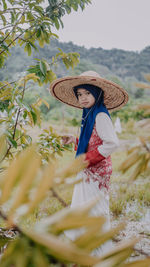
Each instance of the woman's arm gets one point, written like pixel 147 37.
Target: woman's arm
pixel 106 132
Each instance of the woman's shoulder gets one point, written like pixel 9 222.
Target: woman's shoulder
pixel 102 116
pixel 103 121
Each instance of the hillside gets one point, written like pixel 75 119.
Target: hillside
pixel 114 62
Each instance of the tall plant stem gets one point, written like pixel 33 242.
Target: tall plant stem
pixel 16 123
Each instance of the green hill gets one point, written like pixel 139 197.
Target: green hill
pixel 114 62
pixel 123 67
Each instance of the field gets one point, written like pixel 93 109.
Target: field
pixel 35 185
pixel 129 201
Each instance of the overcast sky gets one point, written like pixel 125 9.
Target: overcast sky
pixel 123 24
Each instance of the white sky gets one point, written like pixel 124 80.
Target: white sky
pixel 123 24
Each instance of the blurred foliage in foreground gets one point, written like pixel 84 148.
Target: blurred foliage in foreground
pixel 139 155
pixel 23 186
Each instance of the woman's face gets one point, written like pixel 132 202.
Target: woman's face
pixel 85 98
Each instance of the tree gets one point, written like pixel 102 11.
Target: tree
pixel 26 23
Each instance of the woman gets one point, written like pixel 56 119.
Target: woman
pixel 97 139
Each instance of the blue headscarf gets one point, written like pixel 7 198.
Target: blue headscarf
pixel 89 115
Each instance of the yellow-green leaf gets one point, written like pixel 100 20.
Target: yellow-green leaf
pixel 61 249
pixel 26 180
pixel 15 172
pixel 3 147
pixel 44 185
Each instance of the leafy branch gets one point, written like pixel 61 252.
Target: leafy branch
pixel 17 21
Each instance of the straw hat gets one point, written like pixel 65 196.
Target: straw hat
pixel 114 96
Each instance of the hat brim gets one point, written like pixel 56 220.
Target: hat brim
pixel 114 96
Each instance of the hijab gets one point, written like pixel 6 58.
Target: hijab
pixel 89 115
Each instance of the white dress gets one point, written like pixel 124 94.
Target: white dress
pixel 95 180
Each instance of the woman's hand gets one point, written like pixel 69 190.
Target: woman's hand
pixel 68 139
pixel 85 160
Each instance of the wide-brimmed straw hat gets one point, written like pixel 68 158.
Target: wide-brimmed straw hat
pixel 114 96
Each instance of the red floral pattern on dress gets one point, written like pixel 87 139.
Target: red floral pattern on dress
pixel 102 170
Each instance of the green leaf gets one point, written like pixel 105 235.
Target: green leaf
pixel 46 37
pixel 39 10
pixel 68 9
pixel 34 116
pixel 41 41
pixel 4 19
pixel 17 134
pixel 62 25
pixel 56 23
pixel 25 114
pixel 46 103
pixel 28 49
pixel 66 62
pixel 12 142
pixel 38 33
pixel 43 68
pixel 82 5
pixel 4 240
pixel 12 17
pixel 51 75
pixel 34 69
pixel 37 113
pixel 4 4
pixel 3 147
pixel 30 16
pixel 75 6
pixel 4 47
pixel 39 258
pixel 23 19
pixel 31 44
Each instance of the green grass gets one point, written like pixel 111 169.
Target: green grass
pixel 123 192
